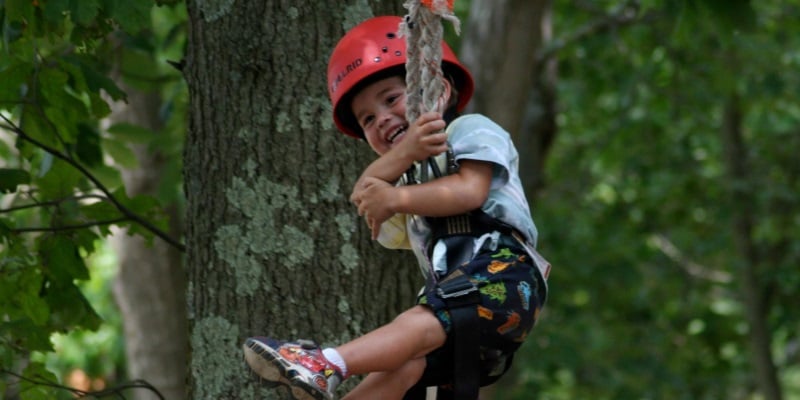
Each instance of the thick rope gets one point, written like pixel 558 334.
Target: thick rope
pixel 423 31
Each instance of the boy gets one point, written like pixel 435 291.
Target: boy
pixel 471 230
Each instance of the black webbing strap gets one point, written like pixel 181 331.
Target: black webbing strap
pixel 461 297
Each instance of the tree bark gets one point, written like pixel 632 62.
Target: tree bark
pixel 753 296
pixel 150 284
pixel 273 245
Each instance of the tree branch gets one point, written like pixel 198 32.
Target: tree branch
pixel 54 203
pixel 70 227
pixel 626 14
pixel 112 391
pixel 692 268
pixel 99 185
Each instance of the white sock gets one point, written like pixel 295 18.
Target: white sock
pixel 336 359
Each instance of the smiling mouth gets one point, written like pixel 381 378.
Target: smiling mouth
pixel 397 133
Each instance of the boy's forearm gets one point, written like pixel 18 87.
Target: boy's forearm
pixel 446 196
pixel 388 167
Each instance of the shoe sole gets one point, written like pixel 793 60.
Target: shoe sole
pixel 274 369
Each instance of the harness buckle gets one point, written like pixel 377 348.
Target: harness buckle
pixel 455 288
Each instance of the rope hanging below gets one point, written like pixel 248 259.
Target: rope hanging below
pixel 424 33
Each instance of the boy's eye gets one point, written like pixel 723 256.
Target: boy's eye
pixel 366 120
pixel 394 98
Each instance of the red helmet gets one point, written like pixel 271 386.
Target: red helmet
pixel 369 49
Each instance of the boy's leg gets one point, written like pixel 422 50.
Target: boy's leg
pixel 388 385
pixel 410 336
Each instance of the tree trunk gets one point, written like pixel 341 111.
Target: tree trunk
pixel 150 285
pixel 273 245
pixel 514 87
pixel 756 311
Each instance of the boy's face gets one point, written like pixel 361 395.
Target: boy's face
pixel 380 110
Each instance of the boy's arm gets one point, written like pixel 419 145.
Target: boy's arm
pixel 424 138
pixel 453 194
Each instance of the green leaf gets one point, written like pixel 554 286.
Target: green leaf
pixel 53 10
pixel 32 337
pixel 64 107
pixel 141 68
pixel 121 152
pixel 95 79
pixel 70 309
pixel 61 260
pixel 10 178
pixel 109 176
pixel 14 84
pixel 19 10
pixel 84 11
pixel 87 146
pixel 132 16
pixel 102 211
pixel 35 126
pixel 31 303
pixel 31 390
pixel 98 106
pixel 127 132
pixel 60 181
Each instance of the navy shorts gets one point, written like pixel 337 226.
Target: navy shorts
pixel 512 295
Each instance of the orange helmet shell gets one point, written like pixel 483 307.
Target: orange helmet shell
pixel 373 47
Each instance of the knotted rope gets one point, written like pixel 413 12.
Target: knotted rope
pixel 423 31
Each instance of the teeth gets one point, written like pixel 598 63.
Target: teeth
pixel 396 134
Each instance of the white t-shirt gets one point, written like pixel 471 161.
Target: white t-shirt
pixel 471 137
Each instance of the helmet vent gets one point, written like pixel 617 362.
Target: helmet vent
pixel 391 35
pixel 376 59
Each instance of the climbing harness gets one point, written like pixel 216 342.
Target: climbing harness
pixel 424 86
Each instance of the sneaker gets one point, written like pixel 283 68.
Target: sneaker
pixel 299 365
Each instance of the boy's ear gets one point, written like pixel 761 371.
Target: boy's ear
pixel 447 99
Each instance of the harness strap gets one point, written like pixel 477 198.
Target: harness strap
pixel 474 223
pixel 461 297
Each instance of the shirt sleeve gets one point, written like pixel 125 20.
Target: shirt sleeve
pixel 476 137
pixel 393 233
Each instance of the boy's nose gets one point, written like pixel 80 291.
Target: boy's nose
pixel 383 119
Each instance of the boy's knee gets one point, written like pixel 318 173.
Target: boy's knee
pixel 417 313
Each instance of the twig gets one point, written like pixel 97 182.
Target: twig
pixel 50 203
pixel 99 185
pixel 626 14
pixel 694 269
pixel 69 227
pixel 112 391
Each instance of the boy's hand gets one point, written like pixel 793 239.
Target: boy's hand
pixel 373 197
pixel 425 137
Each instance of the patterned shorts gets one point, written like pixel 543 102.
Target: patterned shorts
pixel 512 294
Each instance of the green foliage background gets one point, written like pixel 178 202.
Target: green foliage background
pixel 62 64
pixel 636 216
